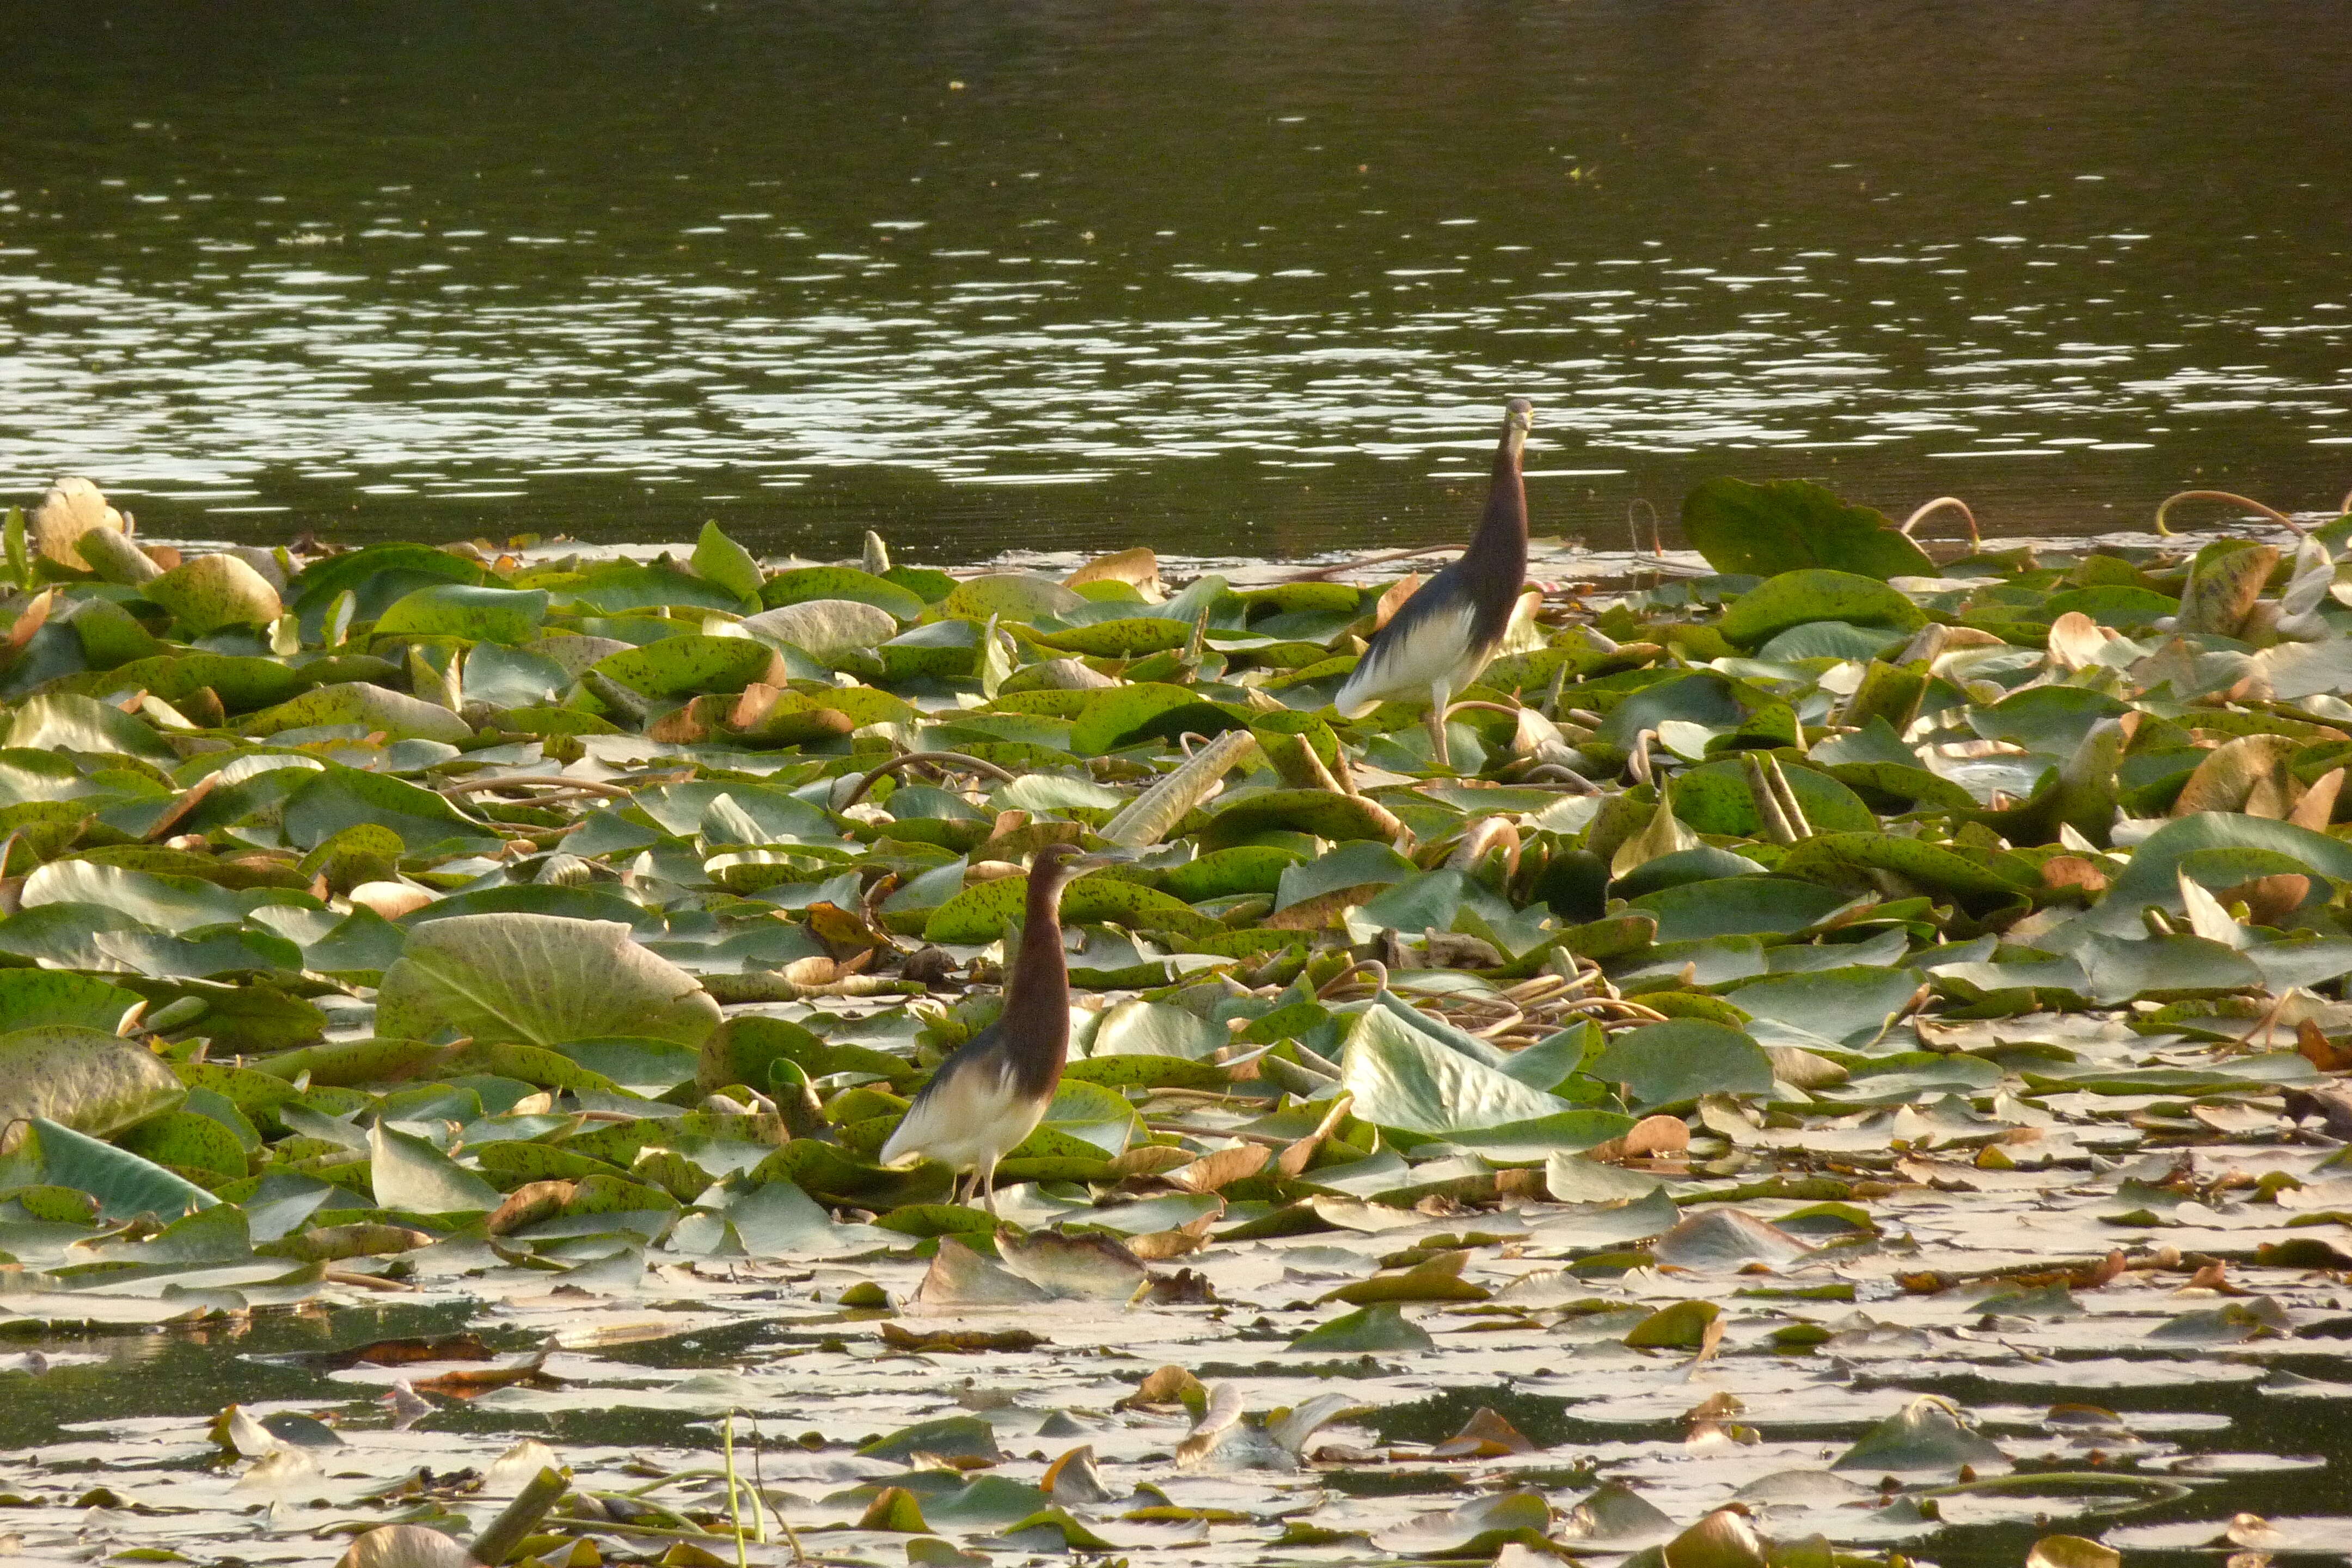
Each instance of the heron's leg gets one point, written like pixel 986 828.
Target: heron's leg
pixel 1440 694
pixel 987 1173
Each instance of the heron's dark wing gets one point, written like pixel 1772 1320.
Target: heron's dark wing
pixel 1435 636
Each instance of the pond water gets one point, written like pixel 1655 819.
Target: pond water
pixel 1216 278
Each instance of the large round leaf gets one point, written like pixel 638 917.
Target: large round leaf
pixel 823 628
pixel 397 715
pixel 1795 598
pixel 540 980
pixel 1404 1079
pixel 1669 1063
pixel 459 609
pixel 81 1079
pixel 1787 524
pixel 215 591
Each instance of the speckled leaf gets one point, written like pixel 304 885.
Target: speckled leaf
pixel 539 980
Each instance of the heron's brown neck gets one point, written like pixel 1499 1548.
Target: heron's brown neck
pixel 1500 548
pixel 1036 1018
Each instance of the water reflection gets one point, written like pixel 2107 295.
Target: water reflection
pixel 1220 277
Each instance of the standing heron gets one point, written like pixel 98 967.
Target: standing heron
pixel 993 1089
pixel 1442 638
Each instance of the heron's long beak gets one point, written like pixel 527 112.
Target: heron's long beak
pixel 1518 419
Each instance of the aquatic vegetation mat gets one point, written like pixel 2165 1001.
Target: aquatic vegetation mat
pixel 1846 1065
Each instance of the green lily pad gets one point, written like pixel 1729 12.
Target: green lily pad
pixel 464 610
pixel 1816 593
pixel 540 980
pixel 1676 1062
pixel 1788 525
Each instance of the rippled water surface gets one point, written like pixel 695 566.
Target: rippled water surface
pixel 1218 277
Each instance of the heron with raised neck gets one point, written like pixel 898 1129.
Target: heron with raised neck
pixel 993 1089
pixel 1440 639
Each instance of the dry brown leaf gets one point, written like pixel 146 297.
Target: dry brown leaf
pixel 1160 1245
pixel 2320 1051
pixel 2248 774
pixel 1485 1436
pixel 2268 900
pixel 1646 1139
pixel 2317 809
pixel 1403 588
pixel 2073 871
pixel 390 900
pixel 2076 640
pixel 527 1203
pixel 469 1383
pixel 1220 1168
pixel 1293 1161
pixel 1166 1386
pixel 1138 568
pixel 959 1342
pixel 2105 1272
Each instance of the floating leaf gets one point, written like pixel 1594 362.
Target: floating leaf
pixel 124 1185
pixel 807 582
pixel 1675 1062
pixel 1926 1435
pixel 825 628
pixel 540 980
pixel 1795 598
pixel 396 715
pixel 721 561
pixel 1401 1078
pixel 215 591
pixel 1786 525
pixel 462 609
pixel 1682 1326
pixel 79 1078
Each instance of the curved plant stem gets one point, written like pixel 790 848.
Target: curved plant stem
pixel 537 781
pixel 938 759
pixel 2234 499
pixel 1372 966
pixel 1633 509
pixel 1957 504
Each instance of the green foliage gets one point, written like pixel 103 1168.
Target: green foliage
pixel 511 934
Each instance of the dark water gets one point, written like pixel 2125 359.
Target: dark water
pixel 189 1373
pixel 1233 277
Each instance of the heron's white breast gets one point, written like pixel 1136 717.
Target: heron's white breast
pixel 1401 667
pixel 970 1120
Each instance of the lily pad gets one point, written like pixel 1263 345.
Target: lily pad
pixel 540 980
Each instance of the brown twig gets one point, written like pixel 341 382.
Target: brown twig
pixel 537 781
pixel 1372 966
pixel 937 759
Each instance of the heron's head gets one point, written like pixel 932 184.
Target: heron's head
pixel 1057 863
pixel 1519 418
